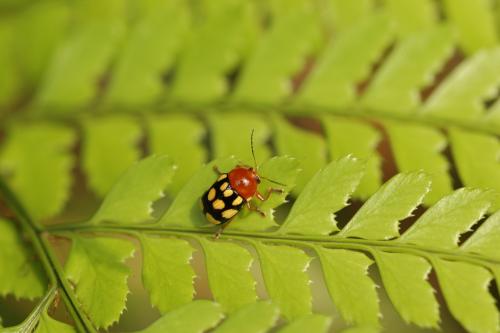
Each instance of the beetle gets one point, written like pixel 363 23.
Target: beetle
pixel 226 197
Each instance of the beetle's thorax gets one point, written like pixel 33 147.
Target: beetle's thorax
pixel 244 181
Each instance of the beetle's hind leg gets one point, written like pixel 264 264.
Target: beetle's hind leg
pixel 221 229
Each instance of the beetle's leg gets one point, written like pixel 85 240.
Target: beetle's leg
pixel 221 229
pixel 217 171
pixel 255 209
pixel 268 194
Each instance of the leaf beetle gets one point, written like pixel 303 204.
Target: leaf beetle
pixel 226 197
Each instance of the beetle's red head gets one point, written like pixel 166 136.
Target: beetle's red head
pixel 244 180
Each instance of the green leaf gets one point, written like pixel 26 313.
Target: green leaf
pixel 38 321
pixel 280 53
pixel 194 317
pixel 110 146
pixel 223 39
pixel 346 13
pixel 492 118
pixel 313 323
pixel 285 274
pixel 417 147
pixel 393 92
pixel 186 210
pixel 164 134
pixel 496 273
pixel 262 65
pixel 39 29
pixel 36 159
pixel 136 80
pixel 307 147
pixel 468 297
pixel 228 268
pixel 461 95
pixel 441 225
pixel 95 267
pixel 475 151
pixel 49 325
pixel 412 16
pixel 253 318
pixel 405 280
pixel 10 83
pixel 282 169
pixel 475 23
pixel 166 271
pixel 238 127
pixel 347 280
pixel 313 210
pixel 378 218
pixel 82 56
pixel 346 61
pixel 279 11
pixel 361 329
pixel 131 198
pixel 486 239
pixel 345 136
pixel 20 274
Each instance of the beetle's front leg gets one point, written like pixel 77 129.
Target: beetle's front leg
pixel 268 194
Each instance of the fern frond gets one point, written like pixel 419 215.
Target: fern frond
pixel 25 278
pixel 404 261
pixel 37 156
pixel 409 88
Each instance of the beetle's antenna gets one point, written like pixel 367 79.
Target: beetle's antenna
pixel 253 152
pixel 272 181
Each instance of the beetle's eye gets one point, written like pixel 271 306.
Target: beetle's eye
pixel 258 180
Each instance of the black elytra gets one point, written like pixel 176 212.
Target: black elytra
pixel 221 202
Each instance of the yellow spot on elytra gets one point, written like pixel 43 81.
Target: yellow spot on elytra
pixel 211 219
pixel 211 194
pixel 227 214
pixel 218 204
pixel 221 177
pixel 237 201
pixel 228 193
pixel 224 186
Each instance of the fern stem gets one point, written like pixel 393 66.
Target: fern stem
pixel 298 240
pixel 29 324
pixel 413 116
pixel 75 309
pixel 35 233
